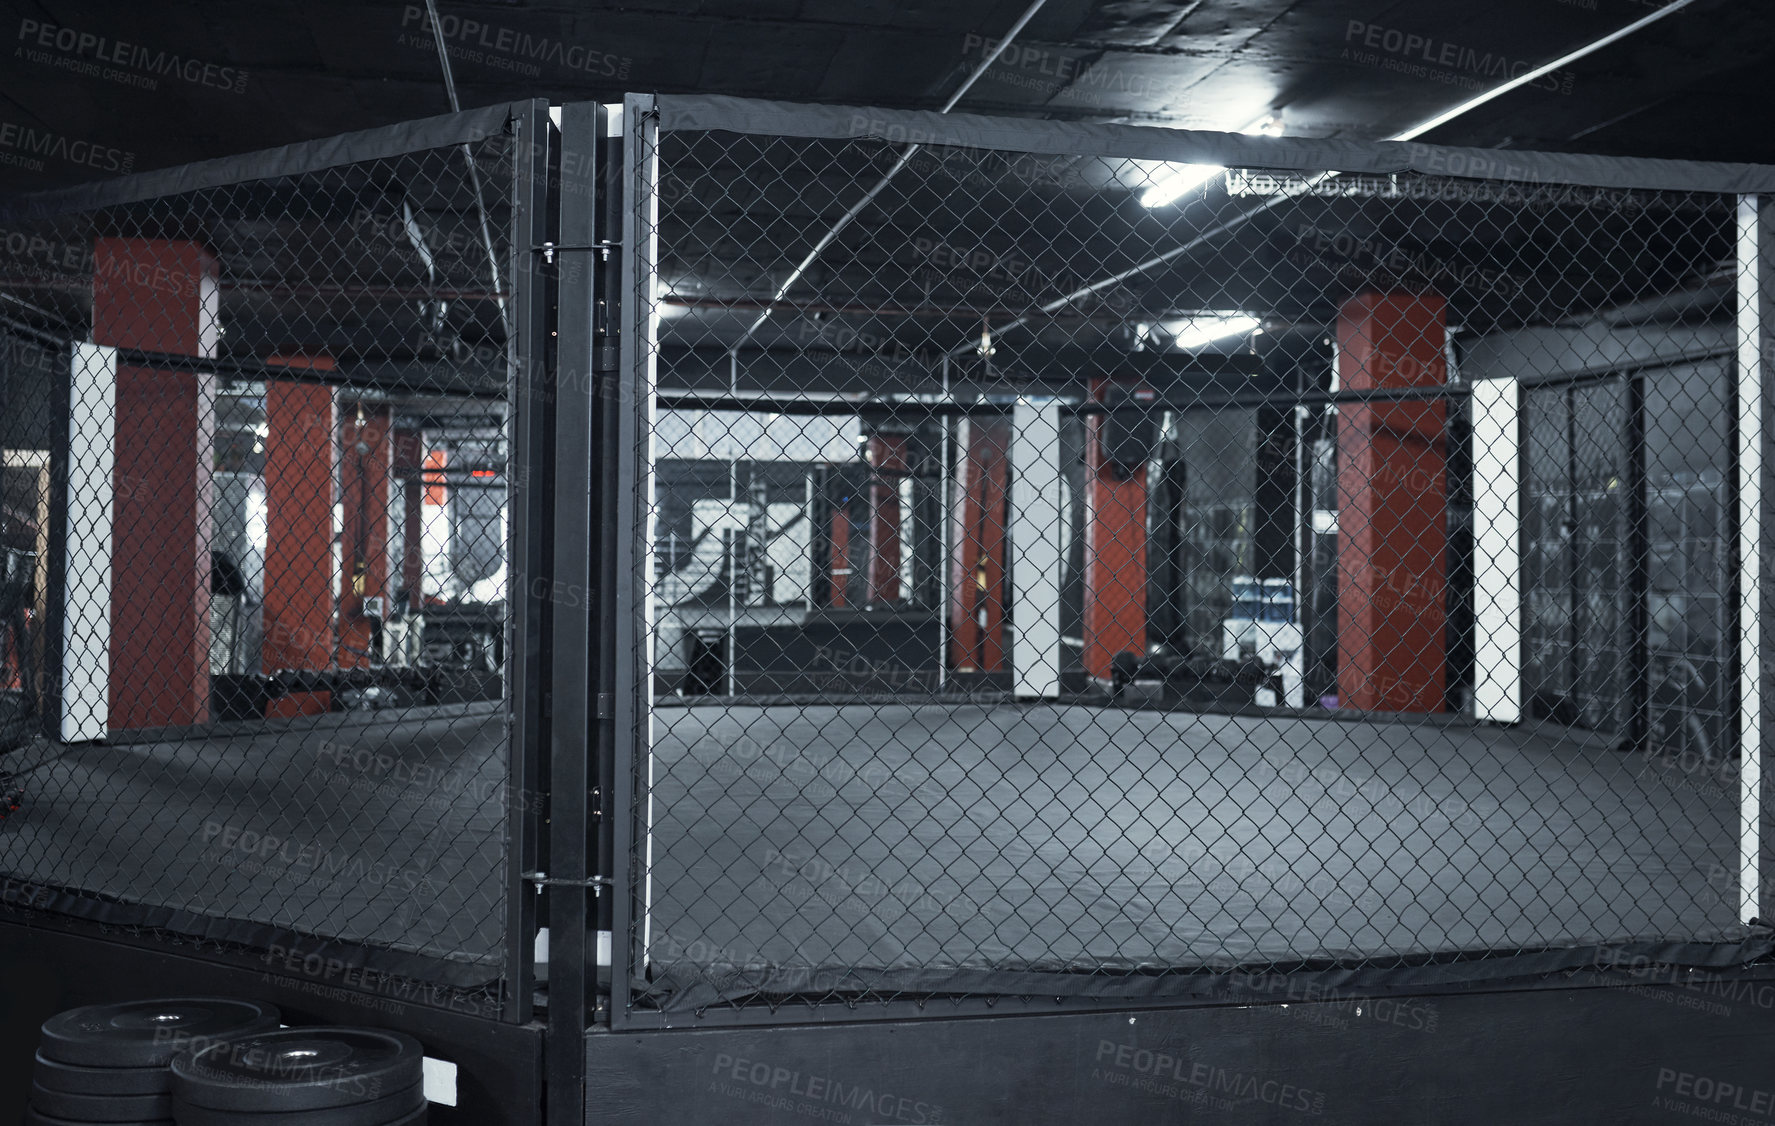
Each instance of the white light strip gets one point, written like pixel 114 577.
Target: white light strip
pixel 1187 177
pixel 86 576
pixel 1497 551
pixel 1750 561
pixel 1199 331
pixel 1179 183
pixel 1038 522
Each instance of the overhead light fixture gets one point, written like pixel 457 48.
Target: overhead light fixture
pixel 1179 180
pixel 1199 331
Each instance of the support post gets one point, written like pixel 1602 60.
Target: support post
pixel 366 465
pixel 633 533
pixel 977 563
pixel 1115 540
pixel 300 467
pixel 1393 506
pixel 889 466
pixel 578 650
pixel 158 295
pixel 409 469
pixel 839 561
pixel 529 466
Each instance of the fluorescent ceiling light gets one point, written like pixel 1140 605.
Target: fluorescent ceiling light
pixel 1178 180
pixel 1198 331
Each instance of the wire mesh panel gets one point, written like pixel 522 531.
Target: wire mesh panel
pixel 1068 571
pixel 270 673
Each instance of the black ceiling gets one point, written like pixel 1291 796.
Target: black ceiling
pixel 157 84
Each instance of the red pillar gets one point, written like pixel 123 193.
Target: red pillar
pixel 840 569
pixel 887 456
pixel 1392 517
pixel 300 464
pixel 366 463
pixel 977 565
pixel 409 467
pixel 1115 550
pixel 159 296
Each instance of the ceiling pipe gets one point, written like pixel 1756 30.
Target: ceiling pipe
pixel 856 209
pixel 281 289
pixel 740 304
pixel 468 159
pixel 1411 134
pixel 1588 49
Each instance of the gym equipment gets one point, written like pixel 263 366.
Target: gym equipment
pixel 417 1118
pixel 298 1069
pixel 376 1112
pixel 57 1076
pixel 101 1108
pixel 137 1034
pixel 1130 430
pixel 35 1117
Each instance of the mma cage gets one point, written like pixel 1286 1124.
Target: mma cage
pixel 716 561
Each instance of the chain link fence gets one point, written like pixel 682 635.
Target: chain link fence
pixel 259 481
pixel 1070 571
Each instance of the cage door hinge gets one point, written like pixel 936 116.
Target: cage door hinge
pixel 543 879
pixel 606 705
pixel 548 250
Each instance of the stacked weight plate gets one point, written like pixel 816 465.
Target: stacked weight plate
pixel 303 1077
pixel 107 1064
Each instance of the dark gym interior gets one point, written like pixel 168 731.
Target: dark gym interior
pixel 1017 562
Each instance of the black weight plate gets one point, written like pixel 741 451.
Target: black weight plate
pixel 149 1033
pixel 76 1080
pixel 376 1113
pixel 417 1118
pixel 101 1108
pixel 35 1117
pixel 299 1069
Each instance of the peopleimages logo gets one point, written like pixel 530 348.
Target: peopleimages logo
pixel 1702 1096
pixel 70 43
pixel 20 145
pixel 1414 54
pixel 816 1096
pixel 1173 1076
pixel 474 41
